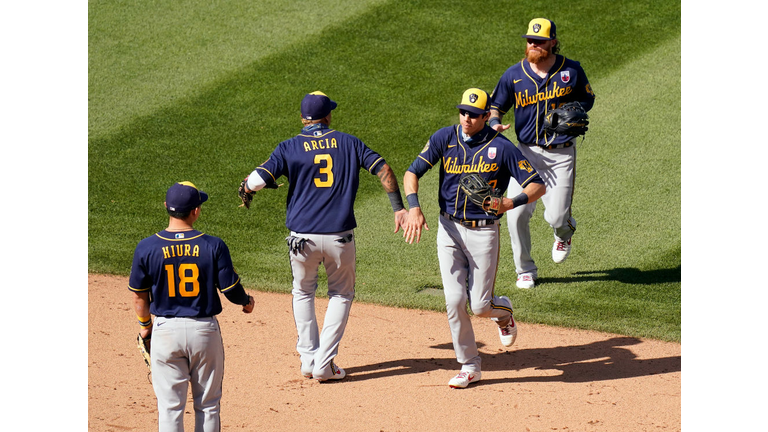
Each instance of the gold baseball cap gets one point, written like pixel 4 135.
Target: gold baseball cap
pixel 541 29
pixel 475 101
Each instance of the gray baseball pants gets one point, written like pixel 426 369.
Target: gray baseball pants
pixel 469 258
pixel 316 349
pixel 557 167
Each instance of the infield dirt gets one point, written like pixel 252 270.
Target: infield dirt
pixel 398 364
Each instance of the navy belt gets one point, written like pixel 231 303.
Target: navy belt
pixel 471 223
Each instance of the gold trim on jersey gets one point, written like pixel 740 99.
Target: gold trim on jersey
pixel 231 286
pixel 524 183
pixel 179 239
pixel 270 174
pixel 375 163
pixel 430 164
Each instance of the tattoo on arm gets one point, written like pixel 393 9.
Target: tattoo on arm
pixel 388 179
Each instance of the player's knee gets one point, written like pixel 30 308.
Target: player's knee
pixel 481 309
pixel 556 220
pixel 455 305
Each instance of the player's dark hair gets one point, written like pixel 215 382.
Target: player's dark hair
pixel 556 47
pixel 178 215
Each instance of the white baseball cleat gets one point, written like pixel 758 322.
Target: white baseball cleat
pixel 526 280
pixel 338 374
pixel 508 333
pixel 463 379
pixel 560 250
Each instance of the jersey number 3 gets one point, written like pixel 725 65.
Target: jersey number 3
pixel 189 286
pixel 326 169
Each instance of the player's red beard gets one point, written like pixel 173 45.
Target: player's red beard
pixel 536 54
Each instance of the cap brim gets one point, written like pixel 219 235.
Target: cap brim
pixel 203 197
pixel 536 37
pixel 472 109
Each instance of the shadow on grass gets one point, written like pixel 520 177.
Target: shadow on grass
pixel 624 275
pixel 598 361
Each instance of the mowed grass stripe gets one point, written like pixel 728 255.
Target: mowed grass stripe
pixel 397 72
pixel 144 56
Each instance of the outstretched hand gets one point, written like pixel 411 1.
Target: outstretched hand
pixel 401 217
pixel 413 225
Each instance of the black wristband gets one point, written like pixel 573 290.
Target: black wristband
pixel 413 200
pixel 519 200
pixel 396 200
pixel 494 121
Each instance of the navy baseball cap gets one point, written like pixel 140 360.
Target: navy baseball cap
pixel 541 29
pixel 475 101
pixel 316 105
pixel 183 197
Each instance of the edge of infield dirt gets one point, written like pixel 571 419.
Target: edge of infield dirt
pixel 398 364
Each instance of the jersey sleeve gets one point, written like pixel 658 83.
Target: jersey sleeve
pixel 584 93
pixel 520 168
pixel 502 95
pixel 139 280
pixel 226 277
pixel 274 167
pixel 368 159
pixel 227 280
pixel 429 156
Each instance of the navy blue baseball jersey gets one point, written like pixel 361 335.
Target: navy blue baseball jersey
pixel 183 271
pixel 322 164
pixel 532 96
pixel 489 153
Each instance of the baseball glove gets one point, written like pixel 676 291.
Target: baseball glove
pixel 245 197
pixel 481 193
pixel 569 119
pixel 144 346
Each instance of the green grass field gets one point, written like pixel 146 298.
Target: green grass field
pixel 203 91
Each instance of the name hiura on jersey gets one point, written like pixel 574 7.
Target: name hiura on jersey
pixel 489 153
pixel 323 169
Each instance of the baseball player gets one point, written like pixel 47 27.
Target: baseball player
pixel 323 167
pixel 175 276
pixel 539 83
pixel 468 237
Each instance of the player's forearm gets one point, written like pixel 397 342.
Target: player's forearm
pixel 389 183
pixel 410 183
pixel 534 191
pixel 495 117
pixel 530 193
pixel 141 307
pixel 388 179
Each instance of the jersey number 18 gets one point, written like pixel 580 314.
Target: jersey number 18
pixel 188 283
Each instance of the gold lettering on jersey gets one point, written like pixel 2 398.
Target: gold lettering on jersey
pixel 525 165
pixel 322 144
pixel 452 166
pixel 180 250
pixel 523 98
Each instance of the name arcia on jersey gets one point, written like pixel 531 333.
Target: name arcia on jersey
pixel 522 98
pixel 452 166
pixel 321 144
